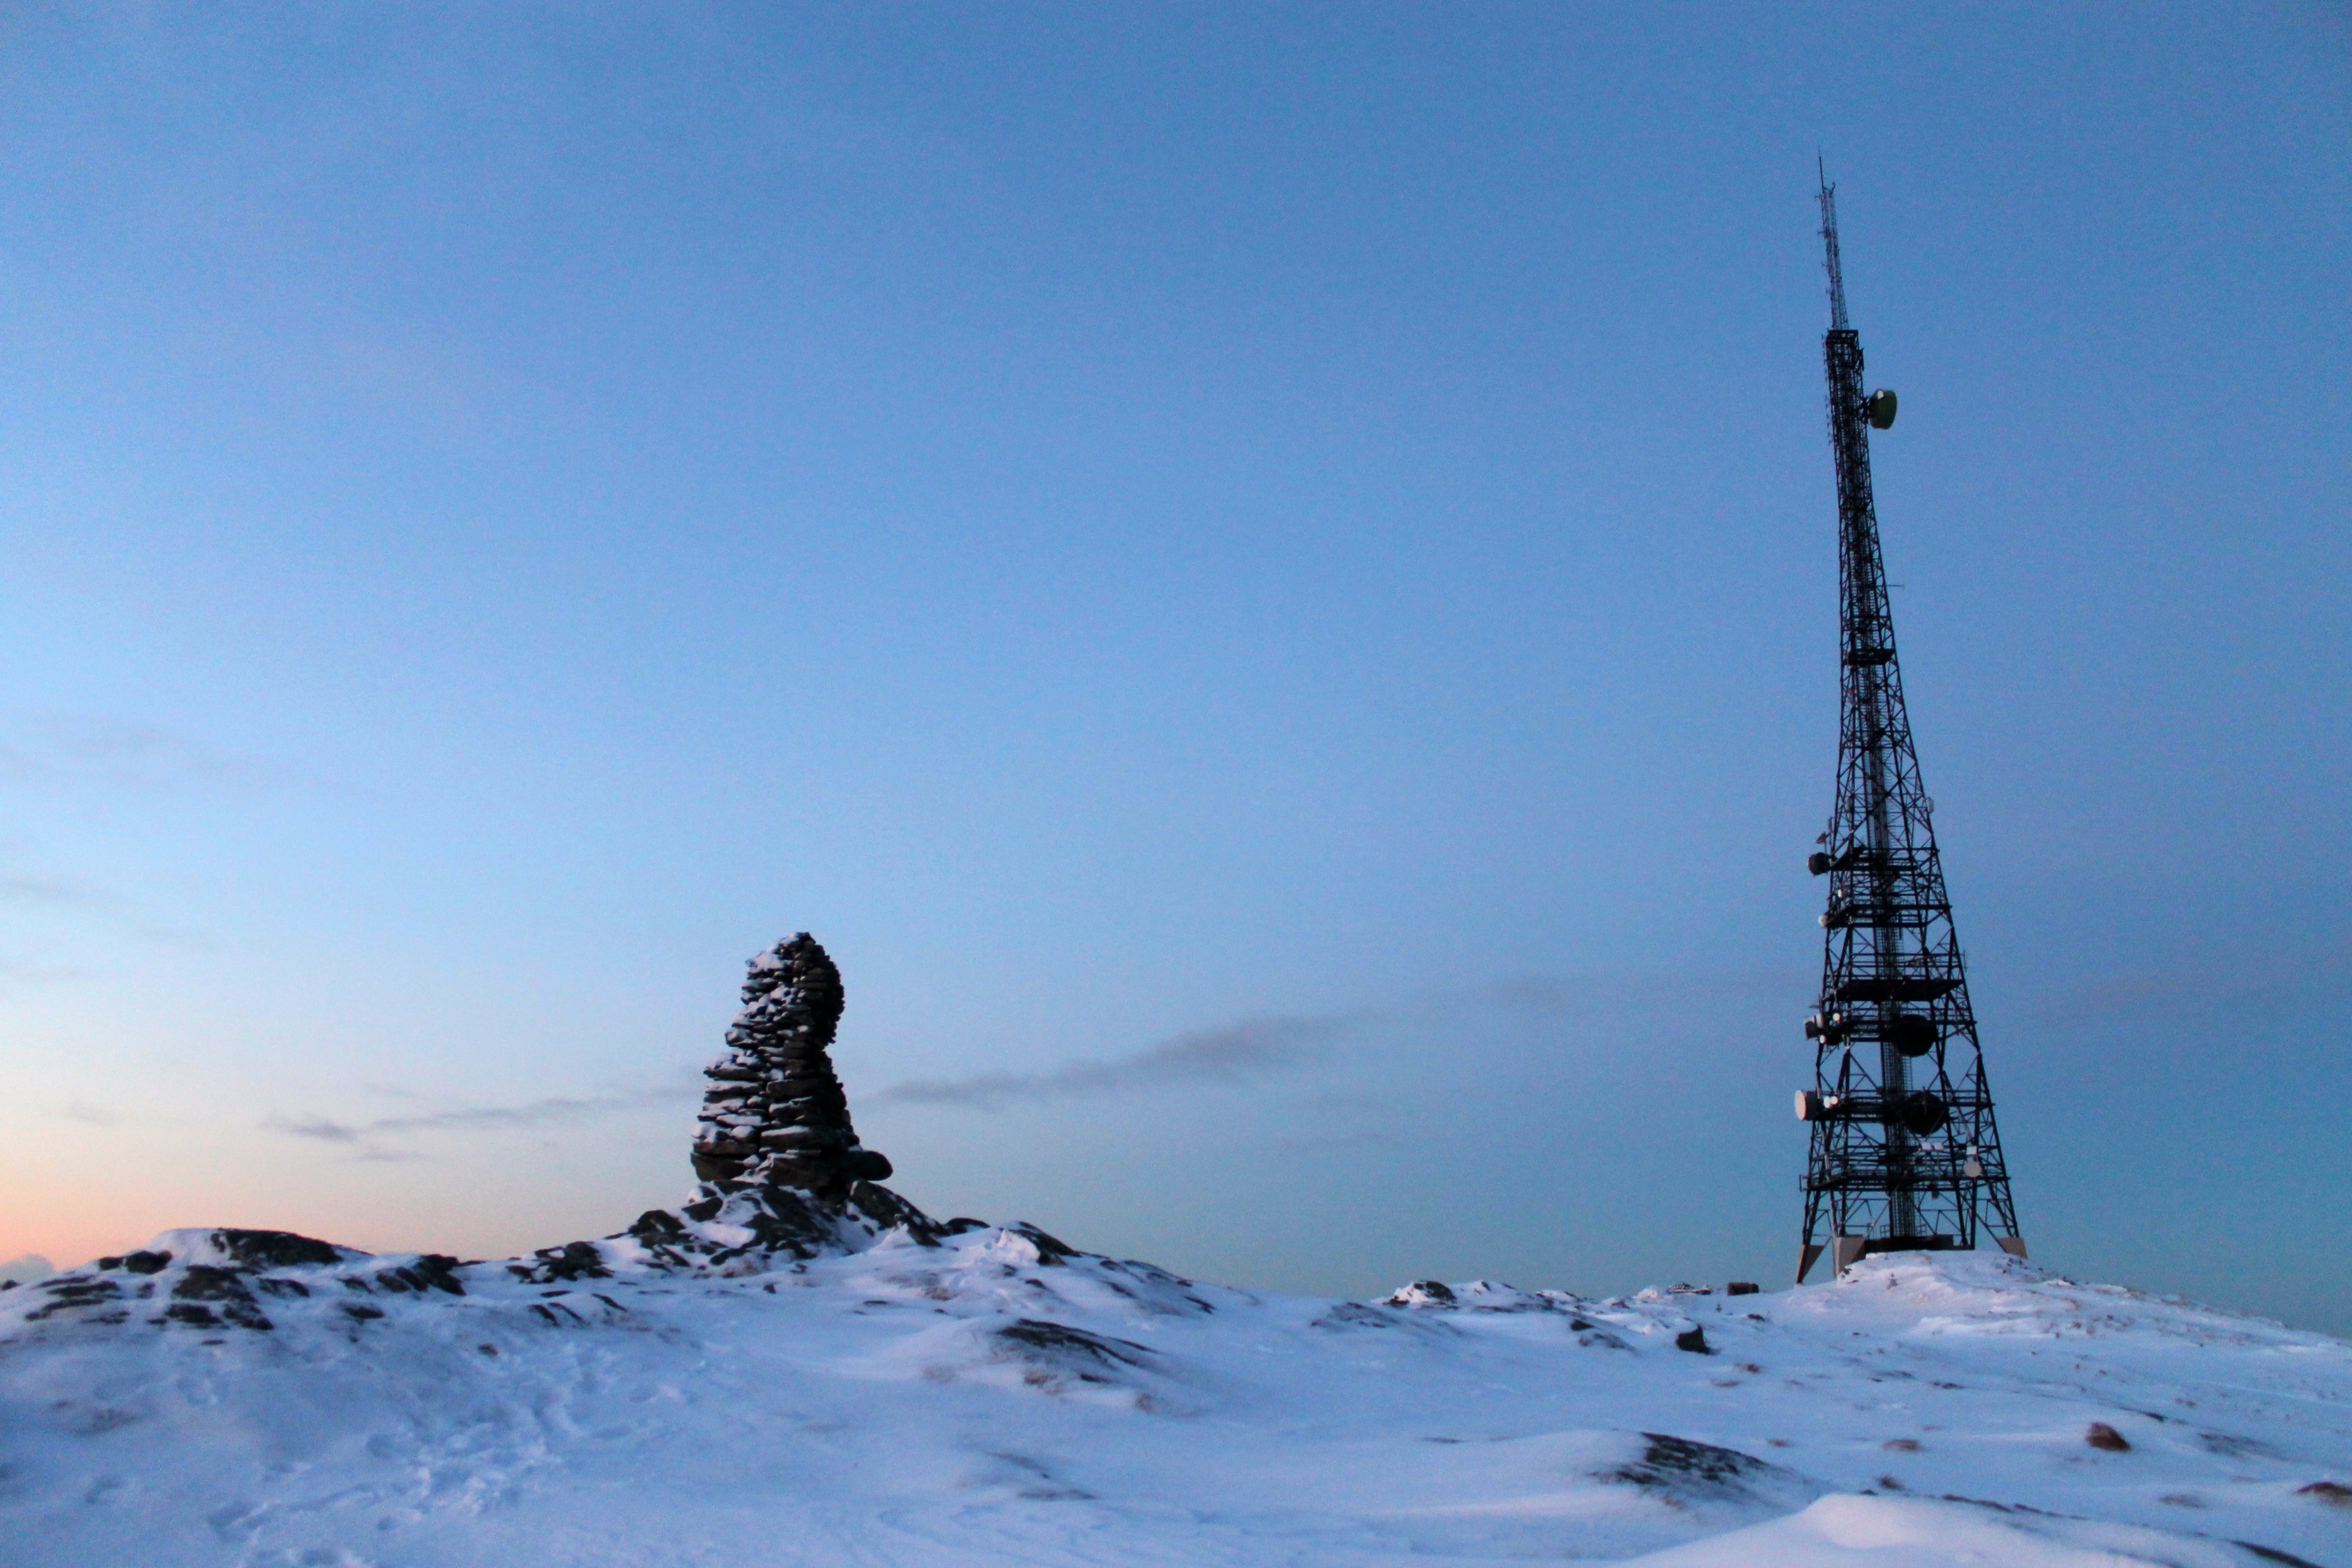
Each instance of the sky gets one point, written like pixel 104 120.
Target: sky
pixel 1261 576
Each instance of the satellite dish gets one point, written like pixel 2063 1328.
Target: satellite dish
pixel 1880 406
pixel 1911 1034
pixel 1923 1114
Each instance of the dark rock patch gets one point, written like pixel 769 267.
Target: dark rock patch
pixel 203 1283
pixel 1421 1293
pixel 1354 1315
pixel 2273 1554
pixel 1062 1340
pixel 71 1291
pixel 891 1212
pixel 274 1249
pixel 572 1260
pixel 1678 1465
pixel 1049 1250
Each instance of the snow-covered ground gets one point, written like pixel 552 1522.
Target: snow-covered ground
pixel 665 1398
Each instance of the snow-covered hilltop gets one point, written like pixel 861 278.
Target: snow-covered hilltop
pixel 682 1392
pixel 769 1375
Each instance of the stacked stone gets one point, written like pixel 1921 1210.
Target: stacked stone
pixel 775 1114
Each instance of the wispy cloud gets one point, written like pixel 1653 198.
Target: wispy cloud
pixel 552 1112
pixel 1227 1052
pixel 500 1118
pixel 317 1127
pixel 50 899
pixel 2215 983
pixel 45 892
pixel 84 749
pixel 23 969
pixel 96 1115
pixel 1265 1044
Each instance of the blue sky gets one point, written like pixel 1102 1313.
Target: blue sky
pixel 1261 575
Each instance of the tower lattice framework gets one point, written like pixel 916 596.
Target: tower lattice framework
pixel 1905 1152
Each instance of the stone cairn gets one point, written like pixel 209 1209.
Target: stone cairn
pixel 775 1115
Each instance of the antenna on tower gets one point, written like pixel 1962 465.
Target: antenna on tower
pixel 1829 238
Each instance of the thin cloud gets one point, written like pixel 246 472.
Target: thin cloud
pixel 1265 1044
pixel 96 1115
pixel 14 969
pixel 45 892
pixel 85 748
pixel 318 1127
pixel 553 1112
pixel 497 1118
pixel 2212 984
pixel 1204 1055
pixel 61 897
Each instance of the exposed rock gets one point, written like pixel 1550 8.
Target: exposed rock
pixel 135 1263
pixel 1421 1293
pixel 1679 1466
pixel 1056 1357
pixel 212 1280
pixel 203 1283
pixel 71 1292
pixel 572 1260
pixel 1039 1335
pixel 1354 1314
pixel 432 1271
pixel 271 1250
pixel 1049 1250
pixel 2102 1435
pixel 1694 1341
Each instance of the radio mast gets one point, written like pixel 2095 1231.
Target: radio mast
pixel 1904 1153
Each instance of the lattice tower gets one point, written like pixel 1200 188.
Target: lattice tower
pixel 1905 1152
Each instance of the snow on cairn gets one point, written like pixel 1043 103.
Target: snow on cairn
pixel 798 1366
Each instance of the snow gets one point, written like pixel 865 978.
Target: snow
pixel 1907 1533
pixel 992 1400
